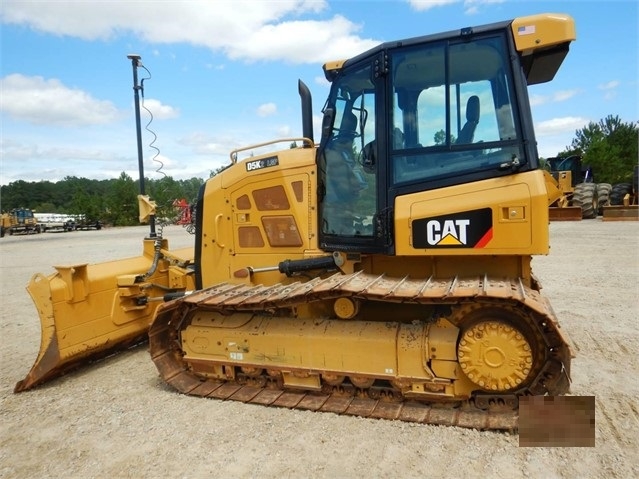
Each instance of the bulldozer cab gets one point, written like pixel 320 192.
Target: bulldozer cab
pixel 22 216
pixel 428 113
pixel 579 173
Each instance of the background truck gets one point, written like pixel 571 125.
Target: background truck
pixel 55 222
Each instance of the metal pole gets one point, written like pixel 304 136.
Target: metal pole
pixel 135 62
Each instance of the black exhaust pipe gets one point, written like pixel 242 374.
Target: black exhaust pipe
pixel 307 110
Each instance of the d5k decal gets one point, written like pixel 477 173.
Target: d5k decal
pixel 470 229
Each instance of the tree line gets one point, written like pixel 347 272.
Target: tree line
pixel 112 201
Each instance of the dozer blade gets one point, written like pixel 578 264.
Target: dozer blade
pixel 621 213
pixel 90 311
pixel 568 213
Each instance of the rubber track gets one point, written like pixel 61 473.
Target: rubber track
pixel 552 379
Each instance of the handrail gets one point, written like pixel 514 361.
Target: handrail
pixel 310 144
pixel 218 217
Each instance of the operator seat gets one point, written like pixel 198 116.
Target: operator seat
pixel 348 128
pixel 345 179
pixel 472 118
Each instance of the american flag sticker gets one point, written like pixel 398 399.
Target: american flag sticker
pixel 527 30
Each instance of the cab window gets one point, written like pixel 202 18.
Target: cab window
pixel 452 109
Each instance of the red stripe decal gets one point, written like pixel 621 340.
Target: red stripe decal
pixel 485 239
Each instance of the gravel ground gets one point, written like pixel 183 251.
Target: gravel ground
pixel 117 419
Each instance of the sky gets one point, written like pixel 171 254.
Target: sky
pixel 223 75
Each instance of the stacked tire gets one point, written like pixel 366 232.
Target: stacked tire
pixel 618 192
pixel 603 195
pixel 585 195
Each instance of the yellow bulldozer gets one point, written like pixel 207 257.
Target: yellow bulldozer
pixel 19 221
pixel 384 271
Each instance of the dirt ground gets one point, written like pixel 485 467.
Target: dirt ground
pixel 116 418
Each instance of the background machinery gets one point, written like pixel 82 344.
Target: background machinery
pixel 581 197
pixel 18 221
pixel 56 222
pixel 384 272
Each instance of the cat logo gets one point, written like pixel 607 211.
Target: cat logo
pixel 451 232
pixel 470 229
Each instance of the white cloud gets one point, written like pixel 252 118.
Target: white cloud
pixel 159 110
pixel 244 30
pixel 558 96
pixel 315 42
pixel 49 102
pixel 548 149
pixel 611 85
pixel 422 5
pixel 609 89
pixel 205 144
pixel 536 100
pixel 284 131
pixel 321 81
pixel 558 126
pixel 53 162
pixel 471 7
pixel 160 162
pixel 555 135
pixel 564 95
pixel 267 109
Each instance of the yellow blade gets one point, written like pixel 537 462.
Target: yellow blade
pixel 89 311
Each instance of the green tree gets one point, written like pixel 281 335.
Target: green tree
pixel 16 195
pixel 440 138
pixel 191 188
pixel 45 207
pixel 219 169
pixel 609 146
pixel 91 206
pixel 164 192
pixel 122 201
pixel 97 199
